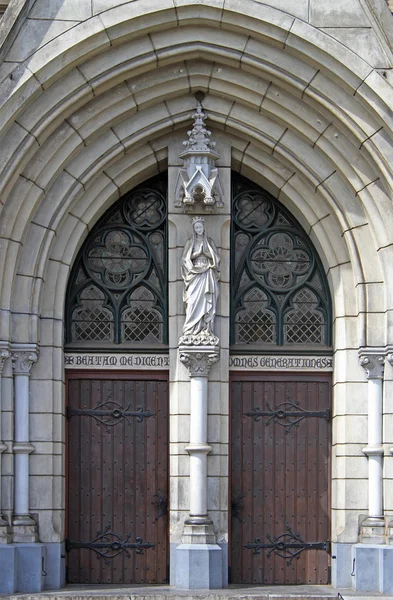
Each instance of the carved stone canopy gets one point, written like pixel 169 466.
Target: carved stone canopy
pixel 198 180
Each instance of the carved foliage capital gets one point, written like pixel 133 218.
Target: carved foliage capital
pixel 198 363
pixel 373 364
pixel 22 361
pixel 4 355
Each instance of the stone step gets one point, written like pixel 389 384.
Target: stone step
pixel 120 592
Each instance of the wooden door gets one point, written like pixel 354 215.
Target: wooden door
pixel 117 477
pixel 280 479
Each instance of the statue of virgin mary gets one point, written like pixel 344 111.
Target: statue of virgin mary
pixel 200 264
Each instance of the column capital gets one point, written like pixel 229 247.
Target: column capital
pixel 4 355
pixel 199 360
pixel 373 362
pixel 23 356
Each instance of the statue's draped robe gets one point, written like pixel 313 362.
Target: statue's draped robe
pixel 200 285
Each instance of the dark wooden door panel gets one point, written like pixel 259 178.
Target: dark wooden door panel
pixel 280 491
pixel 117 478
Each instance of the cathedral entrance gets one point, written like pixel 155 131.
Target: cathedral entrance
pixel 280 478
pixel 117 477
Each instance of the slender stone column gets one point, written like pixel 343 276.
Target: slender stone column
pixel 199 560
pixel 24 527
pixel 5 536
pixel 373 528
pixel 198 361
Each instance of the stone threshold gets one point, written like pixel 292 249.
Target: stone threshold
pixel 233 592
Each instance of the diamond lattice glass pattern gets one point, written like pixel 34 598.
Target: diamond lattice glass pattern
pixel 304 324
pixel 255 323
pixel 142 322
pixel 125 250
pixel 279 291
pixel 92 321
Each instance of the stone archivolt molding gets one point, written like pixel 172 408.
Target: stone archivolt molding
pixel 40 99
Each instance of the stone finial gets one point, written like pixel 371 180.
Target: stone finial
pixel 22 361
pixel 198 180
pixel 198 363
pixel 373 364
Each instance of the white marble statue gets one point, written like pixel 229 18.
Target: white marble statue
pixel 200 267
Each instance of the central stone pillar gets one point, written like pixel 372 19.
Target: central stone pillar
pixel 198 527
pixel 198 557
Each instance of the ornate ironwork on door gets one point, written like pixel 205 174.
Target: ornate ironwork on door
pixel 288 545
pixel 288 414
pixel 118 286
pixel 110 413
pixel 279 293
pixel 108 544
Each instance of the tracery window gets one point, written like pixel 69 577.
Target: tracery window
pixel 279 290
pixel 118 287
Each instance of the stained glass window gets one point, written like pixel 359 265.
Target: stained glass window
pixel 279 290
pixel 118 286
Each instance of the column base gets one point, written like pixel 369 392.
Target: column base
pixel 24 530
pixel 389 537
pixel 30 574
pixel 342 565
pixel 8 569
pixel 198 533
pixel 372 531
pixel 22 568
pixel 363 567
pixel 54 566
pixel 373 568
pixel 199 566
pixel 5 532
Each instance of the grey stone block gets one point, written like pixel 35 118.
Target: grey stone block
pixel 224 548
pixel 366 567
pixel 54 566
pixel 199 566
pixel 386 570
pixel 30 561
pixel 8 569
pixel 342 565
pixel 172 564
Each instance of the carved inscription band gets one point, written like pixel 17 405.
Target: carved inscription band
pixel 97 360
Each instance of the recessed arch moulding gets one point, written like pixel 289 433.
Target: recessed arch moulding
pixel 89 111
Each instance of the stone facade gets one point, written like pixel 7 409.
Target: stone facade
pixel 96 97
